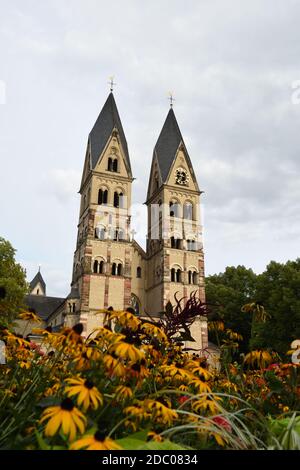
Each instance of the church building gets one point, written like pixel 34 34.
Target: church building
pixel 110 268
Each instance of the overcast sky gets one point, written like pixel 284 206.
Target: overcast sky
pixel 231 66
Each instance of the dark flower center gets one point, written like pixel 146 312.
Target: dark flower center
pixel 99 436
pixel 162 401
pixel 78 328
pixel 67 404
pixel 89 384
pixel 136 367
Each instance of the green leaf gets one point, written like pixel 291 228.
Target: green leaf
pixel 165 445
pixel 42 444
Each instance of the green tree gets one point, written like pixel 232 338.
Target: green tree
pixel 13 285
pixel 278 290
pixel 226 293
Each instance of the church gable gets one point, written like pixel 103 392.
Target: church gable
pixel 181 174
pixel 113 158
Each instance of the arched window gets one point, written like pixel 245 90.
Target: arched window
pixel 110 164
pixel 114 269
pixel 119 234
pixel 191 245
pixel 178 275
pixel 100 233
pixel 174 209
pixel 115 165
pixel 188 211
pixel 190 277
pixel 195 277
pixel 119 269
pixel 173 276
pixel 116 199
pixel 95 267
pixel 121 200
pixel 74 307
pixel 173 242
pixel 101 267
pixel 139 272
pixel 102 196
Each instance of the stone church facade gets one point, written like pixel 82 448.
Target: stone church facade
pixel 110 269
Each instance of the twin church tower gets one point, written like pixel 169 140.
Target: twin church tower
pixel 110 268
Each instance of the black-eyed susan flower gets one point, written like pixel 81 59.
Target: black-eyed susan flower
pixel 207 403
pixel 201 387
pixel 123 393
pixel 153 436
pixel 154 331
pixel 87 394
pixel 160 412
pixel 30 316
pixel 176 371
pixel 97 441
pixel 65 417
pixel 127 351
pixel 139 370
pixel 114 365
pixel 258 358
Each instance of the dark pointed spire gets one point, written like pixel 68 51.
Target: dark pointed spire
pixel 167 144
pixel 107 121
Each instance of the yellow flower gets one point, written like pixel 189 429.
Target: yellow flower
pixel 136 411
pixel 123 393
pixel 29 316
pixel 66 417
pixel 207 403
pixel 127 351
pixel 202 387
pixel 258 358
pixel 152 436
pixel 107 335
pixel 87 393
pixel 114 366
pixel 202 372
pixel 160 412
pixel 96 441
pixel 217 325
pixel 126 319
pixel 153 330
pixel 25 364
pixel 176 372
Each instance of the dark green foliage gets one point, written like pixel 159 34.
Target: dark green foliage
pixel 13 286
pixel 226 293
pixel 278 288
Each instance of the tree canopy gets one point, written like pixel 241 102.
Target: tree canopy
pixel 13 285
pixel 277 290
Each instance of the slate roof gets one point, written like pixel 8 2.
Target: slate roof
pixel 42 305
pixel 38 278
pixel 74 293
pixel 167 145
pixel 108 119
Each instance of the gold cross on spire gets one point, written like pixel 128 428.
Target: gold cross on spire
pixel 111 83
pixel 171 98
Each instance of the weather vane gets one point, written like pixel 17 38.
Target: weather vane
pixel 171 98
pixel 111 83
